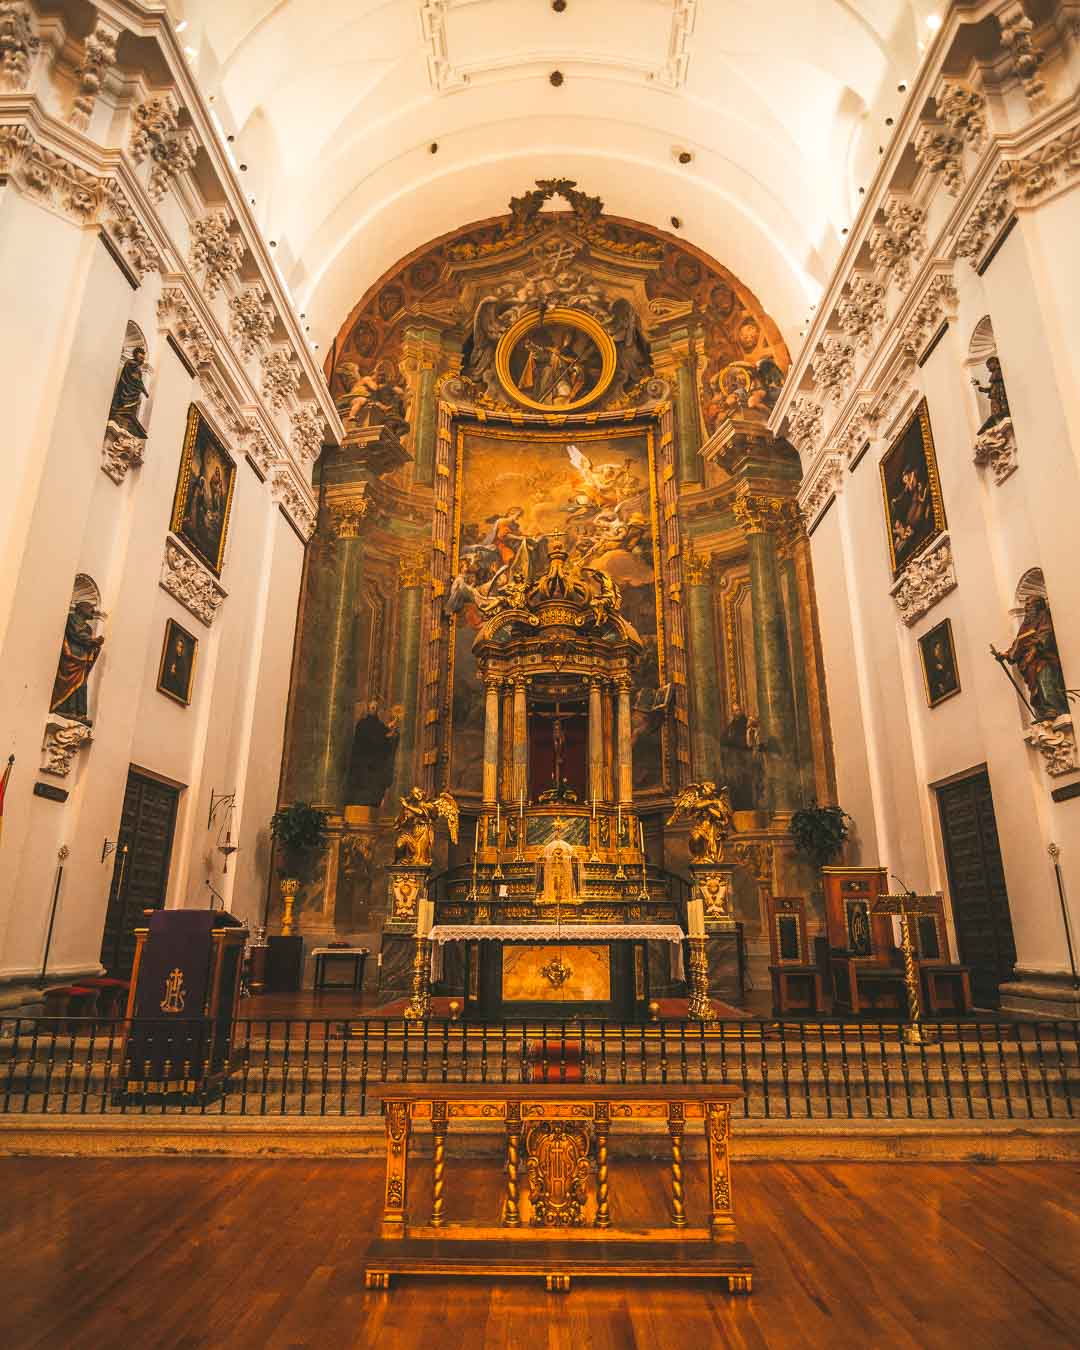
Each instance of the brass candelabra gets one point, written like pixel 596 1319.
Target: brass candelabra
pixel 419 1005
pixel 699 1006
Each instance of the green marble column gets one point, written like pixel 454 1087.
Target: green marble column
pixel 424 468
pixel 761 515
pixel 793 620
pixel 705 740
pixel 689 466
pixel 323 721
pixel 414 576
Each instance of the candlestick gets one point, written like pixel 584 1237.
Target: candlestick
pixel 695 917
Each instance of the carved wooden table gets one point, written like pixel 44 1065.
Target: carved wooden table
pixel 560 1223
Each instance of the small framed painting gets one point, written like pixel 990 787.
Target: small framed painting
pixel 914 511
pixel 204 490
pixel 177 671
pixel 939 663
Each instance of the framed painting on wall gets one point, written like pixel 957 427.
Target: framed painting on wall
pixel 204 490
pixel 938 656
pixel 914 511
pixel 177 670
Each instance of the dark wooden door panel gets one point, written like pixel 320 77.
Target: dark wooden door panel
pixel 977 884
pixel 140 877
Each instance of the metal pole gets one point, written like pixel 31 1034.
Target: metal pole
pixel 62 853
pixel 1055 853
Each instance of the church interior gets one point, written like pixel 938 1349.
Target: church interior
pixel 540 631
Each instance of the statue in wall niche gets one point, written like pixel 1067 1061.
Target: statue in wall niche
pixel 78 654
pixel 374 748
pixel 415 826
pixel 130 392
pixel 1034 653
pixel 711 819
pixel 634 361
pixel 995 392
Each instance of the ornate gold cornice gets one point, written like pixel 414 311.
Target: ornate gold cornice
pixel 697 567
pixel 764 512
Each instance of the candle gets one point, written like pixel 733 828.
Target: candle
pixel 594 808
pixel 695 917
pixel 641 837
pixel 498 821
pixel 618 828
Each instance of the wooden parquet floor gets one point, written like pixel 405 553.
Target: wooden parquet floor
pixel 174 1254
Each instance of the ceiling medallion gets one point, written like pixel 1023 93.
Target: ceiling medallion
pixel 555 360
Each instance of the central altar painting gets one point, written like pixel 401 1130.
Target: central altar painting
pixel 518 489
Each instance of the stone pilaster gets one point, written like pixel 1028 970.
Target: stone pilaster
pixel 491 741
pixel 414 575
pixel 704 686
pixel 625 744
pixel 596 742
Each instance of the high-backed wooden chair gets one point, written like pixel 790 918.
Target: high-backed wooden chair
pixel 945 985
pixel 798 982
pixel 865 974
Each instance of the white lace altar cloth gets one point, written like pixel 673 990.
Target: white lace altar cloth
pixel 442 933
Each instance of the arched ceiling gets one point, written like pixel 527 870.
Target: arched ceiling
pixel 334 106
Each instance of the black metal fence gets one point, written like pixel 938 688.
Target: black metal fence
pixel 999 1070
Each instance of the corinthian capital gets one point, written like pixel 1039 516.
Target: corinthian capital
pixel 762 512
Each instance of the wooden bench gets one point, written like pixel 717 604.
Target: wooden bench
pixel 561 1225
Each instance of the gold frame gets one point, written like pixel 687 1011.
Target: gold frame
pixel 170 624
pixel 946 624
pixel 183 483
pixel 922 416
pixel 573 318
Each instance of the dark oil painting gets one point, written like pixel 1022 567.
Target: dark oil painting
pixel 556 364
pixel 938 655
pixel 914 514
pixel 203 492
pixel 177 669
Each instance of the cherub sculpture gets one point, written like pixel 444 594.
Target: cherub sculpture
pixel 415 825
pixel 709 811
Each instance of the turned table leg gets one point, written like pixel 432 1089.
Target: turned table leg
pixel 678 1207
pixel 511 1215
pixel 603 1213
pixel 438 1168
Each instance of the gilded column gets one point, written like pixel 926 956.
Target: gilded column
pixel 704 687
pixel 521 739
pixel 413 573
pixel 625 750
pixel 761 514
pixel 491 740
pixel 596 742
pixel 506 744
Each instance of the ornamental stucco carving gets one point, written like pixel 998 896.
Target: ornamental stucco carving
pixel 1039 172
pixel 216 250
pixel 190 583
pixel 935 305
pixel 19 44
pixel 308 428
pixel 177 317
pixel 99 55
pixel 347 514
pixel 987 216
pixel 861 311
pixel 281 376
pixel 822 484
pixel 995 449
pixel 859 428
pixel 834 366
pixel 251 319
pixel 963 110
pixel 260 448
pixel 121 451
pixel 156 133
pixel 48 177
pixel 1056 742
pixel 940 150
pixel 64 738
pixel 924 581
pixel 127 233
pixel 899 241
pixel 1016 31
pixel 290 493
pixel 804 424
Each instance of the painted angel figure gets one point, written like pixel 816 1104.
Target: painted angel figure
pixel 709 812
pixel 601 484
pixel 415 826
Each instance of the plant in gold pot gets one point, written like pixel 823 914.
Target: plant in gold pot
pixel 298 831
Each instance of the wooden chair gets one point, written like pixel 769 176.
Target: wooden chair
pixel 798 982
pixel 864 974
pixel 944 984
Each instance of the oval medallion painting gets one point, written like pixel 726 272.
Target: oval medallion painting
pixel 555 360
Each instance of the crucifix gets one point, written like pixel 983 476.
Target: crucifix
pixel 558 742
pixel 909 906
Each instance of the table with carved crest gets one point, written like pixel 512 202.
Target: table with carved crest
pixel 556 1217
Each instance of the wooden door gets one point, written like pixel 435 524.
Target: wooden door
pixel 147 822
pixel 977 882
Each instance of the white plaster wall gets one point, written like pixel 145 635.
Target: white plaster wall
pixel 230 737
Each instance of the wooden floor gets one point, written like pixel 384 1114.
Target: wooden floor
pixel 160 1253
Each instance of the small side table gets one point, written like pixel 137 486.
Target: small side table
pixel 357 955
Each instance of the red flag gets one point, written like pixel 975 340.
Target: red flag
pixel 3 788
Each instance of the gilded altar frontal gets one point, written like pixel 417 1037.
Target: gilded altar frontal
pixel 556 403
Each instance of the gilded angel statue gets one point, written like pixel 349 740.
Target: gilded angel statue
pixel 709 811
pixel 415 825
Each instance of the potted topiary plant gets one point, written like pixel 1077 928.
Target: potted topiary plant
pixel 298 830
pixel 820 832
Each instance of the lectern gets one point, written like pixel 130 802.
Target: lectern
pixel 184 989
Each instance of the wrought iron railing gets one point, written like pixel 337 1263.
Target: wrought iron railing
pixel 972 1070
